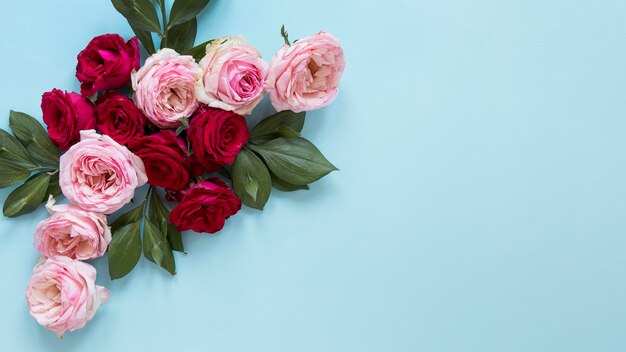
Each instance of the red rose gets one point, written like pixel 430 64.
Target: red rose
pixel 205 207
pixel 106 63
pixel 165 157
pixel 216 137
pixel 66 114
pixel 119 118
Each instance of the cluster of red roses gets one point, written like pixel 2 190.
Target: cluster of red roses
pixel 214 137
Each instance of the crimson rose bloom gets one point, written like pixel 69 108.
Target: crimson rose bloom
pixel 205 207
pixel 66 114
pixel 106 63
pixel 216 137
pixel 165 157
pixel 119 118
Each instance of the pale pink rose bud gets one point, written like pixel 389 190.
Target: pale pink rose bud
pixel 62 294
pixel 231 76
pixel 164 88
pixel 305 76
pixel 98 174
pixel 72 232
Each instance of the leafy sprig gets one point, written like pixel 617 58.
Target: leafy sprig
pixel 277 156
pixel 178 32
pixel 159 238
pixel 28 152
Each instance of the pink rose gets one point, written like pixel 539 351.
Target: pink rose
pixel 72 232
pixel 231 76
pixel 164 88
pixel 305 75
pixel 99 175
pixel 62 294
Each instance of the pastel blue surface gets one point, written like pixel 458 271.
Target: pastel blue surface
pixel 480 206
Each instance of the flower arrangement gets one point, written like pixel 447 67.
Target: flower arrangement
pixel 175 123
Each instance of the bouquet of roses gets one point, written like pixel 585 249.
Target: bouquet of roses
pixel 176 123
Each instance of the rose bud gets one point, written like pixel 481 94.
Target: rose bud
pixel 72 232
pixel 165 157
pixel 216 137
pixel 119 118
pixel 305 76
pixel 232 76
pixel 205 207
pixel 66 114
pixel 164 88
pixel 106 63
pixel 62 294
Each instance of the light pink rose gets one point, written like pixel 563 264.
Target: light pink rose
pixel 231 76
pixel 97 174
pixel 164 88
pixel 305 75
pixel 62 294
pixel 72 232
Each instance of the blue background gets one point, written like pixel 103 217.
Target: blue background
pixel 480 204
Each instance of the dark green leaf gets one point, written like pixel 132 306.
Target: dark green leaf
pixel 145 37
pixel 35 138
pixel 27 197
pixel 294 160
pixel 141 14
pixel 185 10
pixel 156 248
pixel 251 180
pixel 285 186
pixel 159 215
pixel 198 51
pixel 13 152
pixel 11 174
pixel 133 215
pixel 182 37
pixel 124 250
pixel 54 189
pixel 282 124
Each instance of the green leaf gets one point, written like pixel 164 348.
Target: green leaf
pixel 286 186
pixel 124 250
pixel 251 180
pixel 185 10
pixel 134 215
pixel 294 160
pixel 182 37
pixel 159 215
pixel 34 137
pixel 13 152
pixel 141 14
pixel 11 175
pixel 27 197
pixel 198 51
pixel 145 37
pixel 54 189
pixel 282 124
pixel 156 248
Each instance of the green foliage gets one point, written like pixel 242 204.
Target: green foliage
pixel 30 150
pixel 27 197
pixel 251 180
pixel 185 10
pixel 294 160
pixel 124 250
pixel 34 138
pixel 178 33
pixel 159 238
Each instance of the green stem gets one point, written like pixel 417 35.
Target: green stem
pixel 165 26
pixel 147 200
